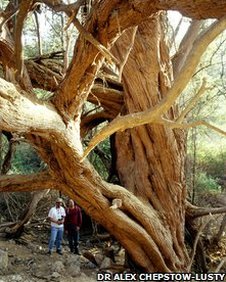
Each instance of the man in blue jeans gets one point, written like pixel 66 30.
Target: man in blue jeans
pixel 56 216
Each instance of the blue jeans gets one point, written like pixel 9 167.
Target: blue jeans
pixel 56 237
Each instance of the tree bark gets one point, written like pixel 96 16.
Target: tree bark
pixel 150 227
pixel 150 159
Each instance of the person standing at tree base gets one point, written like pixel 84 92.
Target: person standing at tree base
pixel 72 224
pixel 56 216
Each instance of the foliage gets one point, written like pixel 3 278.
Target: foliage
pixel 3 148
pixel 206 182
pixel 211 68
pixel 206 159
pixel 212 161
pixel 53 39
pixel 49 44
pixel 101 158
pixel 3 4
pixel 205 148
pixel 25 160
pixel 210 152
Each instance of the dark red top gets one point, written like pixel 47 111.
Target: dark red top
pixel 73 217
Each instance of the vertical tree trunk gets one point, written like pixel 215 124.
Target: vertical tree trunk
pixel 193 176
pixel 217 238
pixel 150 158
pixel 27 214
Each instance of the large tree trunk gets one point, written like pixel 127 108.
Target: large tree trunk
pixel 149 227
pixel 150 159
pixel 139 228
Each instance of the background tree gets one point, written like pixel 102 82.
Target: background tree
pixel 145 224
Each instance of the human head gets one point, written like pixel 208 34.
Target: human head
pixel 71 203
pixel 59 202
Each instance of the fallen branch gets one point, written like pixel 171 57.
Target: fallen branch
pixel 203 225
pixel 28 213
pixel 223 261
pixel 194 212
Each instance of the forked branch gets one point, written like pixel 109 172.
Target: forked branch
pixel 154 115
pixel 172 124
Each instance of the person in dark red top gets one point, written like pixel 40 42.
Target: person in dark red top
pixel 72 224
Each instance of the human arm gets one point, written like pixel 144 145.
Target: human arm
pixel 51 219
pixel 79 218
pixel 56 215
pixel 63 216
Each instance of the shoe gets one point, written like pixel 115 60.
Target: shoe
pixel 49 253
pixel 59 252
pixel 76 252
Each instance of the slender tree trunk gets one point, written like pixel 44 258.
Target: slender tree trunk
pixel 17 229
pixel 217 238
pixel 194 143
pixel 150 158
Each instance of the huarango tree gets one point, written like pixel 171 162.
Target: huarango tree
pixel 149 222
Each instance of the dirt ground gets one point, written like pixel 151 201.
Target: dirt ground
pixel 28 260
pixel 31 262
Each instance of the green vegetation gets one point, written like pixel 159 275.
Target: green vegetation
pixel 205 183
pixel 101 158
pixel 206 163
pixel 25 160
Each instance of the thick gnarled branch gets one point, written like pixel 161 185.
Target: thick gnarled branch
pixel 31 182
pixel 17 112
pixel 104 26
pixel 154 115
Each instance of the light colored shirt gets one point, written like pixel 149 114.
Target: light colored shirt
pixel 57 214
